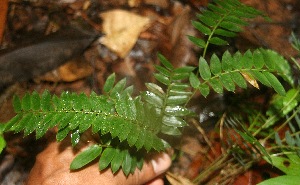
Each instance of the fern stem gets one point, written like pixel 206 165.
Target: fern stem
pixel 213 31
pixel 280 127
pixel 294 148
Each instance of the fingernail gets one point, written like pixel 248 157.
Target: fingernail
pixel 161 163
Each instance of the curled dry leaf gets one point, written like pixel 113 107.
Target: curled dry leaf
pixel 69 72
pixel 122 29
pixel 250 79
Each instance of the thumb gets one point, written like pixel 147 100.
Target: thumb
pixel 151 169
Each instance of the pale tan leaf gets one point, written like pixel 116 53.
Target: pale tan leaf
pixel 122 29
pixel 250 79
pixel 178 180
pixel 159 3
pixel 69 72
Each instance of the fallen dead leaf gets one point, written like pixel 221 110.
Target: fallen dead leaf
pixel 134 3
pixel 3 13
pixel 69 72
pixel 159 3
pixel 122 29
pixel 249 78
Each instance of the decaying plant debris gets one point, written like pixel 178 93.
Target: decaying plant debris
pixel 164 34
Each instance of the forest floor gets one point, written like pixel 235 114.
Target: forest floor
pixel 160 26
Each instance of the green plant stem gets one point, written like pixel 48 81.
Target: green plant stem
pixel 283 147
pixel 275 117
pixel 282 125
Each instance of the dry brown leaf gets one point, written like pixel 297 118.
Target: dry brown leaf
pixel 159 3
pixel 134 3
pixel 250 79
pixel 3 13
pixel 178 180
pixel 69 72
pixel 122 29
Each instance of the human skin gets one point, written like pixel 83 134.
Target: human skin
pixel 52 167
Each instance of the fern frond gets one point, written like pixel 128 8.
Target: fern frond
pixel 74 114
pixel 222 19
pixel 170 104
pixel 124 120
pixel 235 70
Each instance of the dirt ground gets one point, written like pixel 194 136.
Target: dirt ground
pixel 85 32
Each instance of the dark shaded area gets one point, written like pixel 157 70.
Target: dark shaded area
pixel 29 61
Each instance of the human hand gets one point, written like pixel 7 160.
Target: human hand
pixel 52 167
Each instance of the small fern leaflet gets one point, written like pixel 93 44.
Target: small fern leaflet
pixel 170 104
pixel 222 19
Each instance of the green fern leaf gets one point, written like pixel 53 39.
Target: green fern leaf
pixel 227 61
pixel 85 157
pixel 247 60
pixel 26 102
pixel 165 62
pixel 153 99
pixel 227 82
pixel 230 26
pixel 217 41
pixel 194 81
pixel 119 87
pixel 239 79
pixel 275 61
pixel 109 83
pixel 126 164
pixel 35 101
pixel 170 130
pixel 204 69
pixel 202 28
pixel 216 85
pixel 215 65
pixel 204 89
pixel 237 60
pixel 224 33
pixel 75 137
pixel 161 78
pixel 258 59
pixel 260 77
pixel 275 83
pixel 106 157
pixel 117 160
pixel 198 42
pixel 17 104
